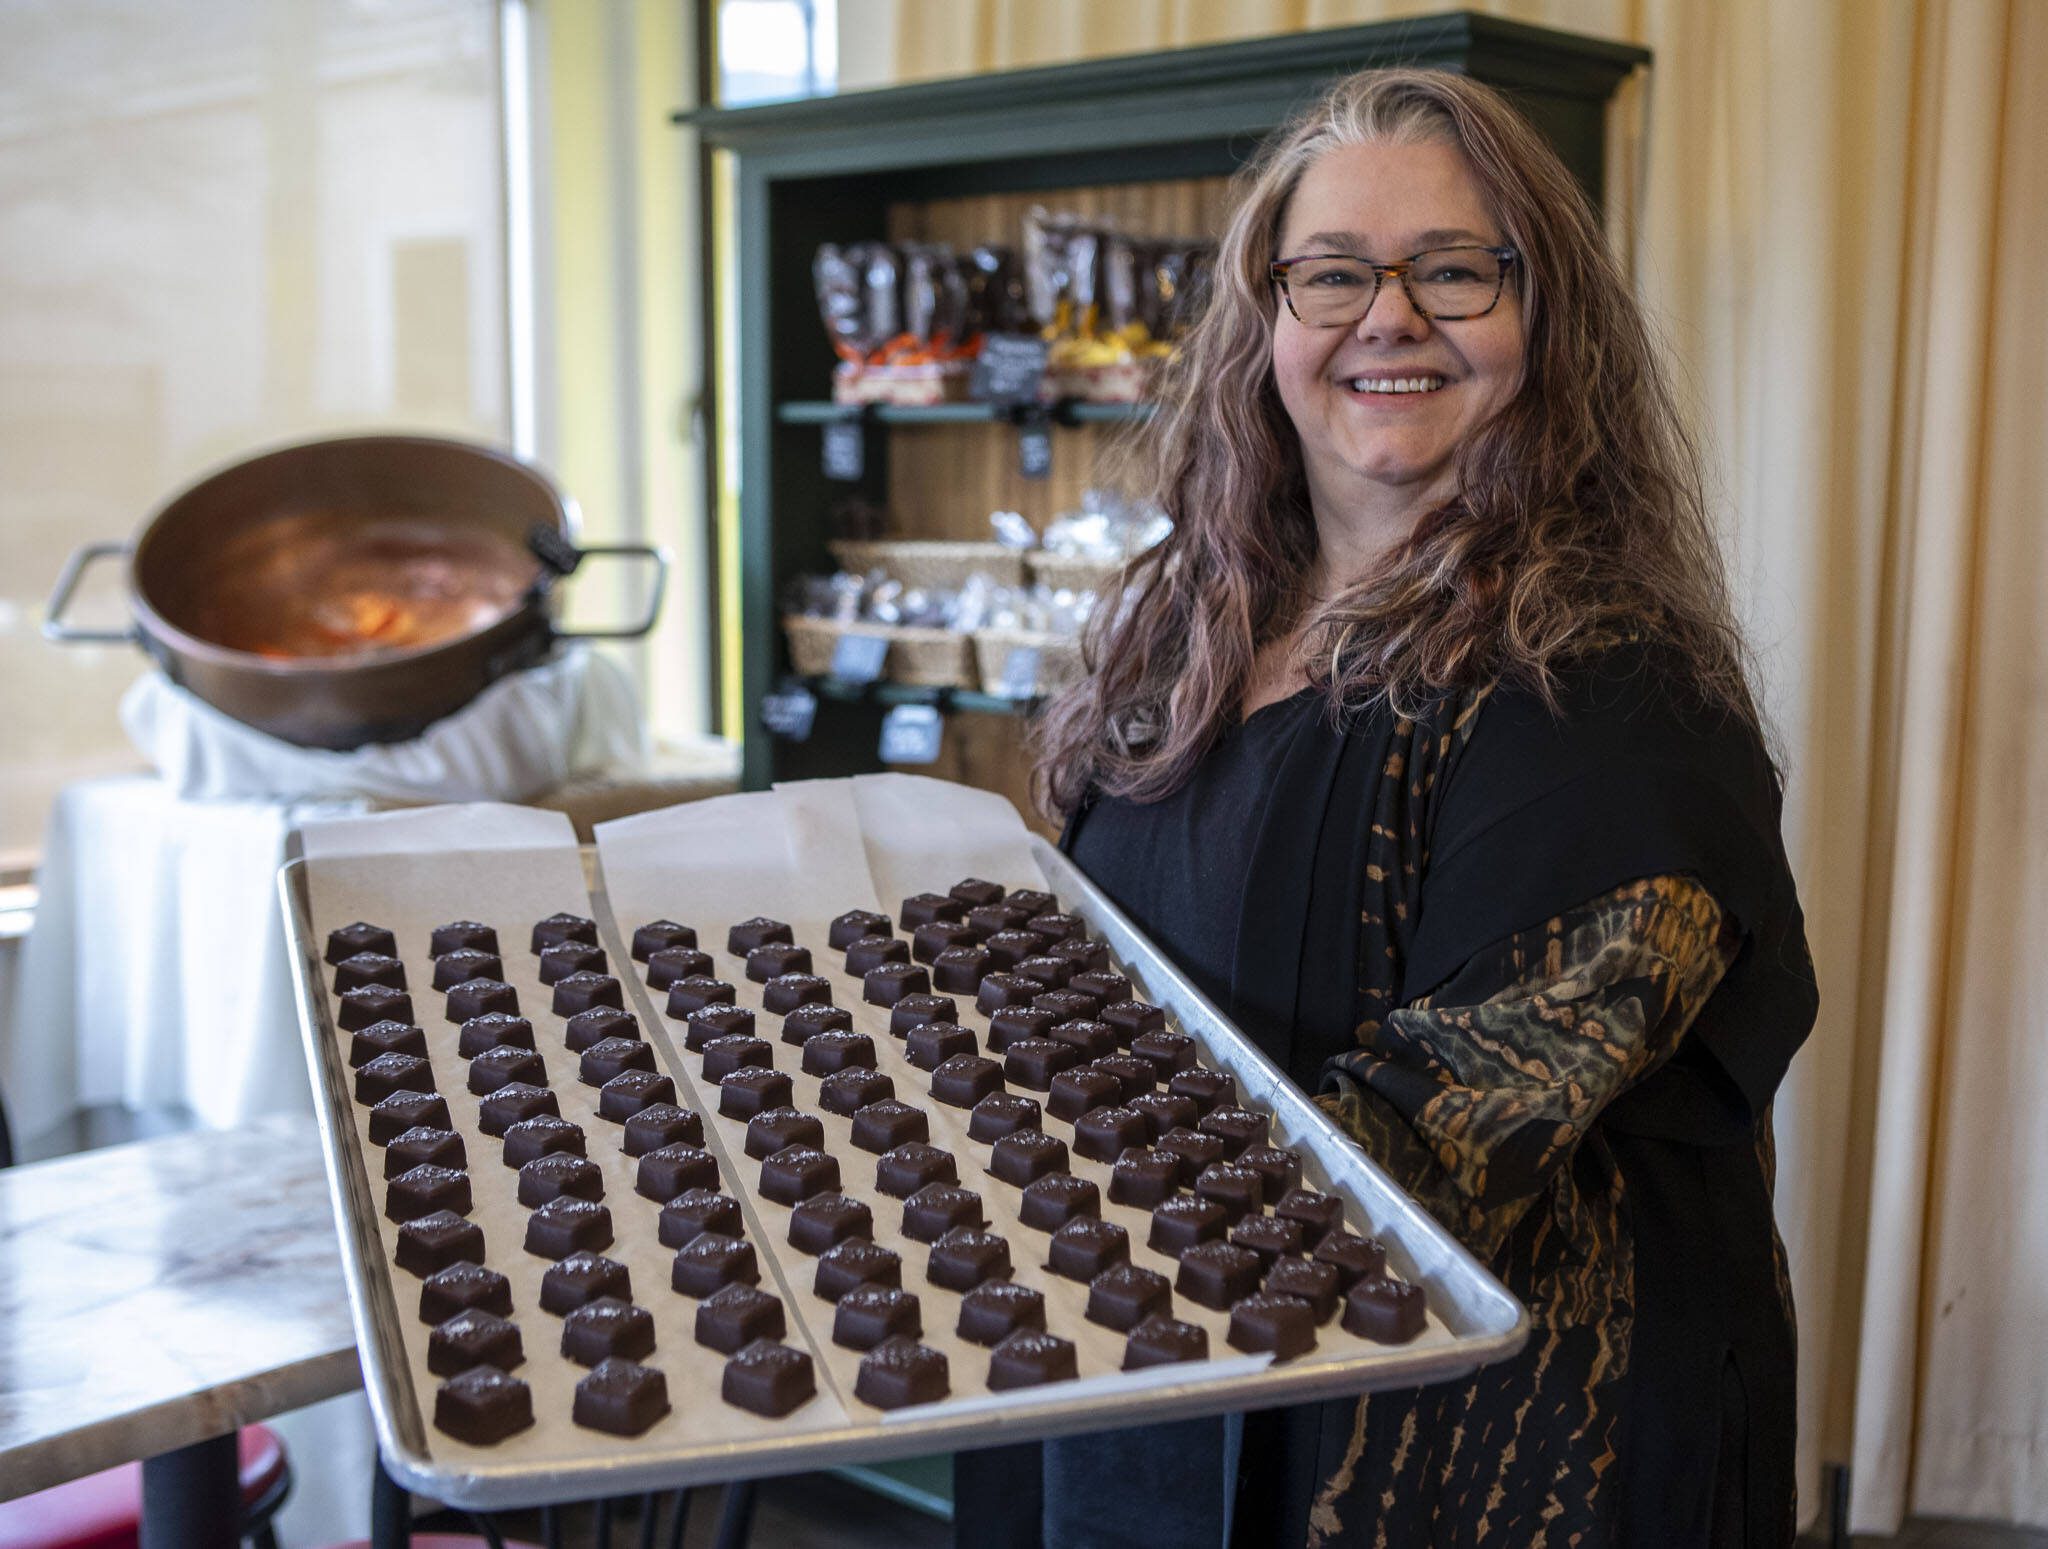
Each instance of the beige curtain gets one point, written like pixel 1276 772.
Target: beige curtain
pixel 1838 214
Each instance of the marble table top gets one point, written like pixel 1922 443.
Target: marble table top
pixel 155 1294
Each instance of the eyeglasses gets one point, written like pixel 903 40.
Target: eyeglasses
pixel 1445 284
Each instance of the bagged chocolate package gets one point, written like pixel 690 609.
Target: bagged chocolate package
pixel 881 292
pixel 1047 279
pixel 1084 278
pixel 995 291
pixel 920 292
pixel 836 277
pixel 935 297
pixel 1063 256
pixel 1181 278
pixel 1126 266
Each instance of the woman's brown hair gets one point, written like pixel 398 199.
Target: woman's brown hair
pixel 1580 516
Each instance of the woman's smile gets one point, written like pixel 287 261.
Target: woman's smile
pixel 1394 388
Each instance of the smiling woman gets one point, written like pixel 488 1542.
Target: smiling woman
pixel 1423 744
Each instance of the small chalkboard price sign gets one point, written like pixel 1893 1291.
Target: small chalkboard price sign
pixel 858 658
pixel 1010 369
pixel 846 451
pixel 911 734
pixel 790 712
pixel 1034 448
pixel 1020 673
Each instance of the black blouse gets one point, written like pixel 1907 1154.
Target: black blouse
pixel 1178 867
pixel 1395 911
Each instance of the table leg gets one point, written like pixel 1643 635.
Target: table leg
pixel 390 1511
pixel 192 1497
pixel 736 1521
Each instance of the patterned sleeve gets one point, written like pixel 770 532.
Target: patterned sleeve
pixel 1474 1098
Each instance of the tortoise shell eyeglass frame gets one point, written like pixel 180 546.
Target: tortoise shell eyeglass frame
pixel 1399 269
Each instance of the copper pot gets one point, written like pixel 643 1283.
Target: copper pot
pixel 352 590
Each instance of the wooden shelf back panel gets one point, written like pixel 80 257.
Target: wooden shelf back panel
pixel 1178 207
pixel 945 480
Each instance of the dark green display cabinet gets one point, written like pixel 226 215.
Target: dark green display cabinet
pixel 933 160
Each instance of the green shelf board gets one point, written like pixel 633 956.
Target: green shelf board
pixel 986 704
pixel 1067 412
pixel 946 699
pixel 1103 413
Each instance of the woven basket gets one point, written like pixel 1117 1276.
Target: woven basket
pixel 812 640
pixel 1059 658
pixel 927 658
pixel 1069 571
pixel 930 562
pixel 930 658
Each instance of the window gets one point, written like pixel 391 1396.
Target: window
pixel 770 49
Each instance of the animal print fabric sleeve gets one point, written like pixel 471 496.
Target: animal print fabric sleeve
pixel 1475 1098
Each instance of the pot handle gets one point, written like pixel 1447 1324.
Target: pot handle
pixel 82 559
pixel 658 557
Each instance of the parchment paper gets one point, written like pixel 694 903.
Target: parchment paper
pixel 509 867
pixel 802 853
pixel 805 853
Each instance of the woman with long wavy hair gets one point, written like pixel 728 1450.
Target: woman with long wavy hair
pixel 1424 745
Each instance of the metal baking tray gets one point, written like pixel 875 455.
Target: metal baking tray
pixel 1485 1322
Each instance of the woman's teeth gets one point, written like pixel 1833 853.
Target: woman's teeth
pixel 1406 384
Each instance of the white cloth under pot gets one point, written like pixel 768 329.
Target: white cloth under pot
pixel 527 733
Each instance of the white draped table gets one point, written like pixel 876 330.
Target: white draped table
pixel 156 975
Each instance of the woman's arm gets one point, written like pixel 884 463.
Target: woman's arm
pixel 1474 1097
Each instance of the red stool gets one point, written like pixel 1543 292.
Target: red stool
pixel 104 1510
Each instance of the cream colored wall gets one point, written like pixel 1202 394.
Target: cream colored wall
pixel 619 355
